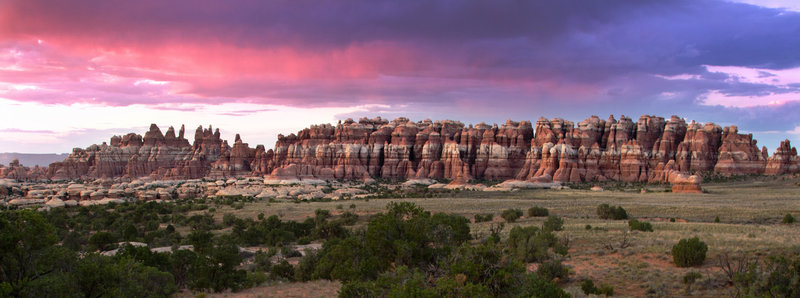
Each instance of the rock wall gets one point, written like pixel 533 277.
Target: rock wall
pixel 161 156
pixel 650 149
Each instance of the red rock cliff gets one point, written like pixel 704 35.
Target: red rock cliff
pixel 650 149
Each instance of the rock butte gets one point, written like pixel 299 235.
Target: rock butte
pixel 652 149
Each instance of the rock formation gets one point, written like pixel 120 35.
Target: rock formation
pixel 739 154
pixel 784 160
pixel 17 171
pixel 553 150
pixel 162 156
pixel 686 184
pixel 595 150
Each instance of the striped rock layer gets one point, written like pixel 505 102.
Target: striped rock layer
pixel 652 149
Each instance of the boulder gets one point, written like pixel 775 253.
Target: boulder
pixel 686 184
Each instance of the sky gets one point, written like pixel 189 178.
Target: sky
pixel 74 73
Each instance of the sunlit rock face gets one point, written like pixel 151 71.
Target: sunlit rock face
pixel 784 161
pixel 739 154
pixel 162 156
pixel 551 150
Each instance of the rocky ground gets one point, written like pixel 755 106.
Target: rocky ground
pixel 103 191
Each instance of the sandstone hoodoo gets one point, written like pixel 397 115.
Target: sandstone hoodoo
pixel 651 149
pixel 17 171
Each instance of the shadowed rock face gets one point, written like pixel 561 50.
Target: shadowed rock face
pixel 651 149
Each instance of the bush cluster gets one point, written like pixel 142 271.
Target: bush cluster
pixel 788 218
pixel 552 269
pixel 511 215
pixel 348 218
pixel 396 252
pixel 589 288
pixel 537 211
pixel 215 264
pixel 405 251
pixel 531 244
pixel 777 276
pixel 605 211
pixel 689 252
pixel 133 271
pixel 691 276
pixel 404 235
pixel 643 226
pixel 553 223
pixel 483 217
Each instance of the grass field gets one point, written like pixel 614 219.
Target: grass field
pixel 750 213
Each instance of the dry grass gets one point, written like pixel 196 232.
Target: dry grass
pixel 750 214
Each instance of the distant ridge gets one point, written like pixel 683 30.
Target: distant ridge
pixel 32 159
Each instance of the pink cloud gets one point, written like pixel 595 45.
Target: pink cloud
pixel 364 73
pixel 778 78
pixel 100 58
pixel 18 130
pixel 715 97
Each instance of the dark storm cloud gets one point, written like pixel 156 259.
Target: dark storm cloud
pixel 508 56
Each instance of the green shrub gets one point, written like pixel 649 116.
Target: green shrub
pixel 588 227
pixel 486 265
pixel 604 211
pixel 129 233
pixel 691 276
pixel 671 219
pixel 605 289
pixel 283 270
pixel 102 241
pixel 348 218
pixel 483 217
pixel 255 278
pixel 552 269
pixel 716 219
pixel 530 244
pixel 689 252
pixel 537 211
pixel 589 288
pixel 305 268
pixel 477 272
pixel 228 219
pixel 777 276
pixel 511 215
pixel 404 235
pixel 322 213
pixel 553 223
pixel 643 226
pixel 788 218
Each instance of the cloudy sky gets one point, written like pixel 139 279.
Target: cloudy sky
pixel 75 74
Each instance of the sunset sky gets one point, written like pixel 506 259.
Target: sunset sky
pixel 75 74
